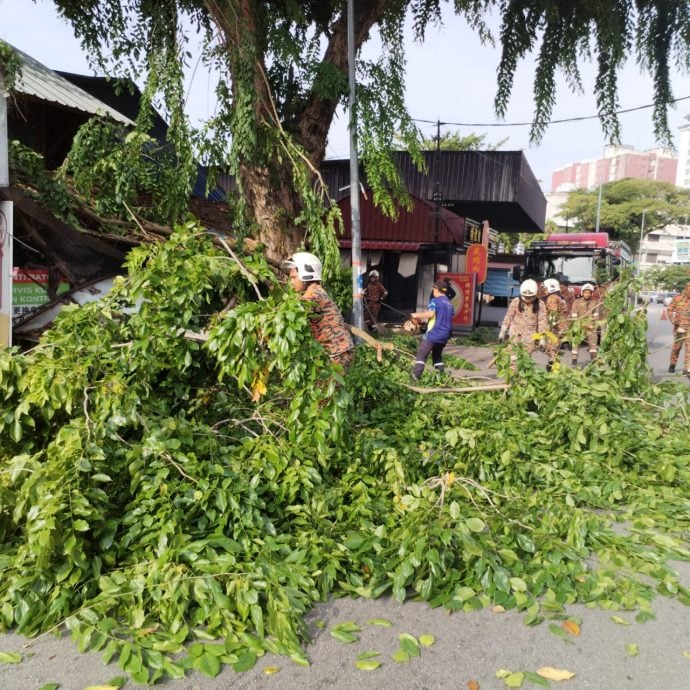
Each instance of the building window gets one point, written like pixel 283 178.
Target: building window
pixel 652 238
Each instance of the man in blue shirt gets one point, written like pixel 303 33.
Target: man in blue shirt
pixel 438 332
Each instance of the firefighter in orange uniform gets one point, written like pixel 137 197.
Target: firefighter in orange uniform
pixel 325 320
pixel 526 316
pixel 556 319
pixel 585 310
pixel 679 315
pixel 374 294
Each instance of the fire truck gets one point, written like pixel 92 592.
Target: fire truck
pixel 576 258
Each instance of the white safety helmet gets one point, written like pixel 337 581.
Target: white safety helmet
pixel 588 286
pixel 528 288
pixel 552 285
pixel 374 274
pixel 308 266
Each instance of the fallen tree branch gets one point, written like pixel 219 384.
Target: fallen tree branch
pixel 466 389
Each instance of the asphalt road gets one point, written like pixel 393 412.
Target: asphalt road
pixel 468 646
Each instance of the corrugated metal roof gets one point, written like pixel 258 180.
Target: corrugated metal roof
pixel 495 185
pixel 39 81
pixel 417 225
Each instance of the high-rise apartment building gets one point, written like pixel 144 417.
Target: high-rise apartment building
pixel 617 163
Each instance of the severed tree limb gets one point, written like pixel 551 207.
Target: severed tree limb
pixel 466 389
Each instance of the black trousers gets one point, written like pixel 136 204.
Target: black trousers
pixel 426 347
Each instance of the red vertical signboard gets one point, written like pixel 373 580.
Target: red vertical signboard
pixel 463 285
pixel 477 261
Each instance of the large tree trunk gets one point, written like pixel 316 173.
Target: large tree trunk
pixel 265 179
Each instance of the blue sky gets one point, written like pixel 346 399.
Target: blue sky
pixel 451 78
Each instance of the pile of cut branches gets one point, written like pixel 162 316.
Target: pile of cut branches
pixel 180 505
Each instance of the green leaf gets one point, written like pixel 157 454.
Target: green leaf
pixel 409 644
pixel 80 526
pixel 10 657
pixel 559 632
pixel 383 622
pixel 246 662
pixel 208 664
pixel 370 654
pixel 401 656
pixel 348 626
pixel 118 681
pixel 514 680
pixel 50 686
pixel 426 640
pixel 367 665
pixel 619 620
pixel 475 524
pixel 343 636
pixel 632 649
pixel 536 679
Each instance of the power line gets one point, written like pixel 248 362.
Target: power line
pixel 550 122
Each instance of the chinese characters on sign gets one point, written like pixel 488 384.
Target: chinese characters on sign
pixel 477 262
pixel 463 300
pixel 473 232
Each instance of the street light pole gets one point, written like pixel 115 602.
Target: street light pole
pixel 601 188
pixel 639 249
pixel 357 273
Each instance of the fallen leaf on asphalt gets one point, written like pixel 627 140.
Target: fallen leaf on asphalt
pixel 384 623
pixel 426 640
pixel 10 657
pixel 686 655
pixel 401 656
pixel 270 670
pixel 536 679
pixel 50 686
pixel 551 673
pixel 571 626
pixel 369 654
pixel 472 685
pixel 409 644
pixel 619 620
pixel 498 609
pixel 503 673
pixel 367 665
pixel 559 632
pixel 515 680
pixel 102 687
pixel 632 649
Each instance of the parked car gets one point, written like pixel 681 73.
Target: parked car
pixel 669 296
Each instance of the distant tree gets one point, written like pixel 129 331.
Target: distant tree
pixel 622 204
pixel 454 141
pixel 668 277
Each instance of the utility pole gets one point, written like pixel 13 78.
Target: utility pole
pixel 357 271
pixel 601 188
pixel 6 226
pixel 639 250
pixel 437 199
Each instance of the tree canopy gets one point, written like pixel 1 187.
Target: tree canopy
pixel 623 203
pixel 668 277
pixel 283 69
pixel 455 141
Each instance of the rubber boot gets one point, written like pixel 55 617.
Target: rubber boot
pixel 671 368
